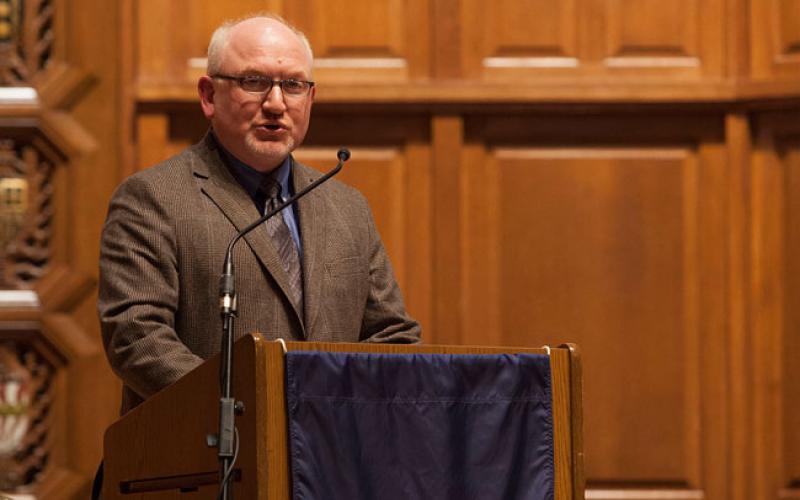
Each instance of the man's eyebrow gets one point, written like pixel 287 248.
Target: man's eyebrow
pixel 249 71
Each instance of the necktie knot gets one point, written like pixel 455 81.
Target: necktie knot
pixel 271 189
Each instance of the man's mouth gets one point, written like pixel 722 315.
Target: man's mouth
pixel 273 127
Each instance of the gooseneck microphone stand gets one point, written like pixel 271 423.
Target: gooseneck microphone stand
pixel 227 441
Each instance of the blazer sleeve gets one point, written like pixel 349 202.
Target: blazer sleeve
pixel 385 316
pixel 138 292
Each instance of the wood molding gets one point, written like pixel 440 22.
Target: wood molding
pixel 62 85
pixel 67 134
pixel 447 140
pixel 548 91
pixel 739 145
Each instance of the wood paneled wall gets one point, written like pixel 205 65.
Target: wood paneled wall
pixel 616 174
pixel 619 174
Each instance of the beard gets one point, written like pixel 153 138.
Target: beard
pixel 268 153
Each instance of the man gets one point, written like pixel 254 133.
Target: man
pixel 319 272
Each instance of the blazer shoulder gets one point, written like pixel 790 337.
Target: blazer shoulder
pixel 333 189
pixel 170 174
pixel 168 186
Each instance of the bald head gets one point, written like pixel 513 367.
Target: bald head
pixel 262 28
pixel 260 128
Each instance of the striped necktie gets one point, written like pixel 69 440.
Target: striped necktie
pixel 283 241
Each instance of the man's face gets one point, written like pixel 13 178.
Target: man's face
pixel 259 129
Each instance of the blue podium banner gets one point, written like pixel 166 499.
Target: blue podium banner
pixel 421 426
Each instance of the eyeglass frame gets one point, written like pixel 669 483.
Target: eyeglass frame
pixel 240 82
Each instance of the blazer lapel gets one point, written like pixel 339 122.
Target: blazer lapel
pixel 313 231
pixel 231 199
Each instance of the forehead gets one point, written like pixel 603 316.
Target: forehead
pixel 265 46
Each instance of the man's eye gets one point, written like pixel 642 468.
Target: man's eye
pixel 252 82
pixel 293 85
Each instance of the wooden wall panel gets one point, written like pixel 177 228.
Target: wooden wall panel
pixel 592 38
pixel 163 57
pixel 776 212
pixel 360 41
pixel 519 36
pixel 788 34
pixel 775 39
pixel 652 28
pixel 573 227
pixel 161 133
pixel 679 39
pixel 611 246
pixel 364 40
pixel 790 478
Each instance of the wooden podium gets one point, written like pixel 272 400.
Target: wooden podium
pixel 158 450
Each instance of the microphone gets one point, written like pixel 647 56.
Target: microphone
pixel 227 439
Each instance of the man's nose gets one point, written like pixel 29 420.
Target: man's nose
pixel 274 101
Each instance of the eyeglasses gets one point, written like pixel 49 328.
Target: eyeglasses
pixel 261 85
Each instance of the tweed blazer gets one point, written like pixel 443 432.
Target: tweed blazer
pixel 161 256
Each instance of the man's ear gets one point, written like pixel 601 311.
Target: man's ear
pixel 205 88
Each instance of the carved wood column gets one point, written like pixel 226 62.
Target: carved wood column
pixel 39 340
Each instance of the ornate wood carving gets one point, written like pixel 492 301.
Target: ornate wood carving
pixel 52 443
pixel 25 213
pixel 26 40
pixel 25 408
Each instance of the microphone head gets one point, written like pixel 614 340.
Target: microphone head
pixel 343 154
